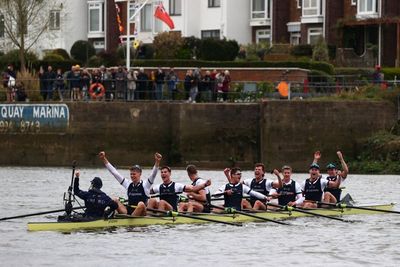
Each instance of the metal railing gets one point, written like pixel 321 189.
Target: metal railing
pixel 150 90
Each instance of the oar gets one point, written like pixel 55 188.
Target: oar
pixel 344 206
pixel 37 213
pixel 176 214
pixel 231 210
pixel 289 208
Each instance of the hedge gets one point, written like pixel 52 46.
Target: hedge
pixel 320 66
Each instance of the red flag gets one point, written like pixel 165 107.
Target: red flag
pixel 161 14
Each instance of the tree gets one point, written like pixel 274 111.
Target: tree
pixel 167 45
pixel 25 21
pixel 82 50
pixel 320 51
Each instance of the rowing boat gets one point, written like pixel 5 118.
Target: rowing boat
pixel 168 220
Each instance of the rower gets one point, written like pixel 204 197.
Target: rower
pixel 138 191
pixel 97 203
pixel 290 194
pixel 261 185
pixel 313 188
pixel 334 173
pixel 200 201
pixel 234 190
pixel 169 191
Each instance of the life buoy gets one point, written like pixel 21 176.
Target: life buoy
pixel 97 90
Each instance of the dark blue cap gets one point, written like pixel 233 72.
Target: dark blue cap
pixel 331 166
pixel 314 166
pixel 97 183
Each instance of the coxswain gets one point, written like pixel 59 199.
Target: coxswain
pixel 234 191
pixel 138 190
pixel 260 185
pixel 290 193
pixel 313 188
pixel 169 191
pixel 334 173
pixel 197 201
pixel 97 203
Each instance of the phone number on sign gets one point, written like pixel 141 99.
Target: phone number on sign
pixel 20 127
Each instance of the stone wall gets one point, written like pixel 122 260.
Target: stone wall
pixel 209 135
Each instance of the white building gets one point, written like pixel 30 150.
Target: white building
pixel 67 24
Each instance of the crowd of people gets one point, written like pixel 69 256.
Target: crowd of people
pixel 315 191
pixel 120 84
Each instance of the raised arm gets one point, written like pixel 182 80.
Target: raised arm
pixel 152 177
pixel 277 183
pixel 227 174
pixel 317 156
pixel 81 194
pixel 125 183
pixel 345 168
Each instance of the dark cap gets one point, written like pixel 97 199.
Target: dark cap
pixel 136 168
pixel 314 166
pixel 331 166
pixel 97 183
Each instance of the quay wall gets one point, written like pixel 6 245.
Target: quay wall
pixel 210 135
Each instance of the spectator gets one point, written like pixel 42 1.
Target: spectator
pixel 76 84
pixel 194 86
pixel 226 85
pixel 219 80
pixel 120 83
pixel 377 76
pixel 141 84
pixel 213 84
pixel 132 78
pixel 68 77
pixel 172 83
pixel 106 80
pixel 188 83
pixel 151 89
pixel 86 81
pixel 9 78
pixel 160 78
pixel 50 78
pixel 111 93
pixel 59 84
pixel 42 83
pixel 206 92
pixel 20 92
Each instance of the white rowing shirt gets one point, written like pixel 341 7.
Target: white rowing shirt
pixel 246 190
pixel 125 182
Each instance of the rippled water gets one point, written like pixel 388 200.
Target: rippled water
pixel 371 240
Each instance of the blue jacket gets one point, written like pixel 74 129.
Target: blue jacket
pixel 95 200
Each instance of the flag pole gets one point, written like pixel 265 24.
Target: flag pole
pixel 128 30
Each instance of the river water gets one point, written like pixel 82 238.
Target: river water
pixel 371 240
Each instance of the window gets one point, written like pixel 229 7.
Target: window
pixel 215 34
pixel 214 3
pixel 367 6
pixel 353 2
pixel 259 10
pixel 310 7
pixel 96 17
pixel 54 23
pixel 313 35
pixel 299 3
pixel 2 26
pixel 175 7
pixel 146 16
pixel 295 38
pixel 263 36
